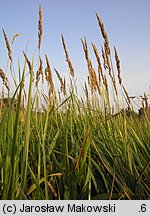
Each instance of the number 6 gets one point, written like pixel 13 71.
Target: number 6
pixel 143 208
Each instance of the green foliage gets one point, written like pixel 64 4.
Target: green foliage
pixel 54 157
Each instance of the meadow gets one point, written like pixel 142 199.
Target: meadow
pixel 59 145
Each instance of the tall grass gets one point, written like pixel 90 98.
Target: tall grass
pixel 59 145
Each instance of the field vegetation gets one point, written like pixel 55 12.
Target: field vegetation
pixel 59 145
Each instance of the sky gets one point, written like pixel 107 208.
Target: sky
pixel 127 23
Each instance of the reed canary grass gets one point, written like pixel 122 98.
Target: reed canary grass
pixel 72 147
pixel 40 31
pixel 8 45
pixel 67 56
pixel 104 34
pixel 92 77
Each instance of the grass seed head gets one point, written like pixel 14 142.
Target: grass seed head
pixel 8 46
pixel 104 34
pixel 60 80
pixel 98 60
pixel 67 56
pixel 118 66
pixel 39 72
pixel 4 79
pixel 106 85
pixel 14 37
pixel 28 61
pixel 64 87
pixel 104 59
pixel 40 31
pixel 48 74
pixel 86 90
pixel 91 71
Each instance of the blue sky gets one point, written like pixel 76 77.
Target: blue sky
pixel 127 23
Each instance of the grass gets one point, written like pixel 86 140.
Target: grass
pixel 59 145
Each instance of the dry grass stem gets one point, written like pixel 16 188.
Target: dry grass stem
pixel 8 46
pixel 67 57
pixel 126 93
pixel 40 32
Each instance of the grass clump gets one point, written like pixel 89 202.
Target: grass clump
pixel 58 145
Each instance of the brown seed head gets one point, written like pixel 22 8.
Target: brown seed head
pixel 40 31
pixel 118 66
pixel 106 85
pixel 104 59
pixel 8 46
pixel 39 72
pixel 86 90
pixel 4 79
pixel 62 86
pixel 91 75
pixel 67 56
pixel 107 57
pixel 28 62
pixel 97 56
pixel 104 34
pixel 14 37
pixel 85 48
